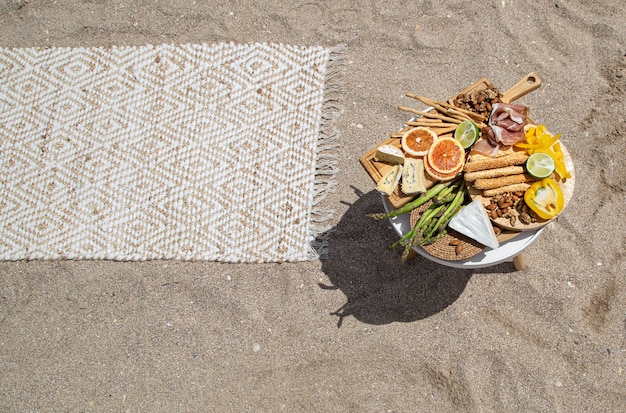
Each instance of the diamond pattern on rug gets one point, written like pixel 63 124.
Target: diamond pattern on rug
pixel 205 152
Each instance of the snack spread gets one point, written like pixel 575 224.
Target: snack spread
pixel 473 165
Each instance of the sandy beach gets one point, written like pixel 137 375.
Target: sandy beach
pixel 358 331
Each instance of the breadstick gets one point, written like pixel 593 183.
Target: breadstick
pixel 446 105
pixel 504 189
pixel 436 123
pixel 492 183
pixel 475 156
pixel 509 160
pixel 493 173
pixel 429 115
pixel 441 131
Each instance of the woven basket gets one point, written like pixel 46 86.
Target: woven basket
pixel 444 247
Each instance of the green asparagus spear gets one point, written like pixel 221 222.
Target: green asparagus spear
pixel 417 202
pixel 446 196
pixel 405 237
pixel 430 211
pixel 434 238
pixel 409 245
pixel 444 200
pixel 444 224
pixel 450 211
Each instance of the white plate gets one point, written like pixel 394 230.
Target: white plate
pixel 487 258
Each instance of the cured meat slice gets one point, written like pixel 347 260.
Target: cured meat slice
pixel 486 145
pixel 506 128
pixel 507 121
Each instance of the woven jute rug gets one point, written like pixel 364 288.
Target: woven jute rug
pixel 219 152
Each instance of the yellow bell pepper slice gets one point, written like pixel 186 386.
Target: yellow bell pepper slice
pixel 545 198
pixel 559 160
pixel 538 140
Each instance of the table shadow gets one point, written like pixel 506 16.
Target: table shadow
pixel 379 289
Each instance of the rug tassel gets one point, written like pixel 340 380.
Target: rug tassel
pixel 327 161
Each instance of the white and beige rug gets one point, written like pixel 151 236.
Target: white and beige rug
pixel 217 152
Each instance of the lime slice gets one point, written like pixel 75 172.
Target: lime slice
pixel 466 133
pixel 540 165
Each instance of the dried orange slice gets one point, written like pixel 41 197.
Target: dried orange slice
pixel 438 176
pixel 446 155
pixel 417 141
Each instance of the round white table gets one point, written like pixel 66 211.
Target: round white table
pixel 507 250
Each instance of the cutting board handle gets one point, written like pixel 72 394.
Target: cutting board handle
pixel 526 85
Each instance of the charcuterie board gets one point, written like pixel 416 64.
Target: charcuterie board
pixel 376 169
pixel 479 103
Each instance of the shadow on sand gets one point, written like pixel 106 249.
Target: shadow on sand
pixel 378 287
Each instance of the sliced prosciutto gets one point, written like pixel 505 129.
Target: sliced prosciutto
pixel 506 128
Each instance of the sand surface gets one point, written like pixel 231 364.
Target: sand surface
pixel 357 332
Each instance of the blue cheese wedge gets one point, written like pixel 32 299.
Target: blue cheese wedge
pixel 473 222
pixel 390 180
pixel 389 154
pixel 413 179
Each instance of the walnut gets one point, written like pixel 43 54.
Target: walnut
pixel 525 218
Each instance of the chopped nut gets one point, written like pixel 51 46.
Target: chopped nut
pixel 479 101
pixel 525 218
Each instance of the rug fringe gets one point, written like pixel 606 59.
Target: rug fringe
pixel 327 160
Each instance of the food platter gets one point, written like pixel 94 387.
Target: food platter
pixel 452 246
pixel 567 187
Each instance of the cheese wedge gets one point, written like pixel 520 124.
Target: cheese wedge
pixel 388 182
pixel 413 179
pixel 390 154
pixel 473 222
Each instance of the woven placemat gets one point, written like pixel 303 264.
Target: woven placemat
pixel 446 248
pixel 217 152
